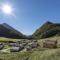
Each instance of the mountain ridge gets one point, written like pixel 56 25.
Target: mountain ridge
pixel 48 29
pixel 9 32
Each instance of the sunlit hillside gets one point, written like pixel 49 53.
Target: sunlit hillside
pixel 48 29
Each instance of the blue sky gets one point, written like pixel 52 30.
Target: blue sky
pixel 31 14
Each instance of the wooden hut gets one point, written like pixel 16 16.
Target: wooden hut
pixel 50 44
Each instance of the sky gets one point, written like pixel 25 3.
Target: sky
pixel 29 15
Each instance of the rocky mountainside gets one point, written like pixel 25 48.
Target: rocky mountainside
pixel 48 29
pixel 9 32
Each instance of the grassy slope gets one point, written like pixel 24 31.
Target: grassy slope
pixel 51 38
pixel 35 54
pixel 45 55
pixel 2 39
pixel 48 29
pixel 53 54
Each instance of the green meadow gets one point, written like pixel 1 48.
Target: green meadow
pixel 39 53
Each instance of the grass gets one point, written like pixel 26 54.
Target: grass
pixel 49 54
pixel 14 56
pixel 44 55
pixel 40 41
pixel 36 54
pixel 3 39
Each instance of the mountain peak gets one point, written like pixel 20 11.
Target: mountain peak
pixel 9 32
pixel 7 26
pixel 48 29
pixel 48 22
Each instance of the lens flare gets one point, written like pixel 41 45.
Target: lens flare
pixel 7 9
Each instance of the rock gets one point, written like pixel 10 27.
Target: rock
pixel 50 44
pixel 15 49
pixel 33 45
pixel 28 48
pixel 14 44
pixel 1 46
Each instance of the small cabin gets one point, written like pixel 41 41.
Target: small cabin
pixel 50 44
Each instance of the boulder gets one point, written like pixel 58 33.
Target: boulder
pixel 28 48
pixel 15 49
pixel 50 44
pixel 1 46
pixel 14 44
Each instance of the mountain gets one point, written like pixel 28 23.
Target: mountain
pixel 10 32
pixel 48 29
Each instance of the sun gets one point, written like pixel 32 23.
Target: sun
pixel 7 9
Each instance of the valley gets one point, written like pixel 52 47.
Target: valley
pixel 43 44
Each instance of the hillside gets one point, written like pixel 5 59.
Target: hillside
pixel 53 54
pixel 36 54
pixel 48 29
pixel 9 32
